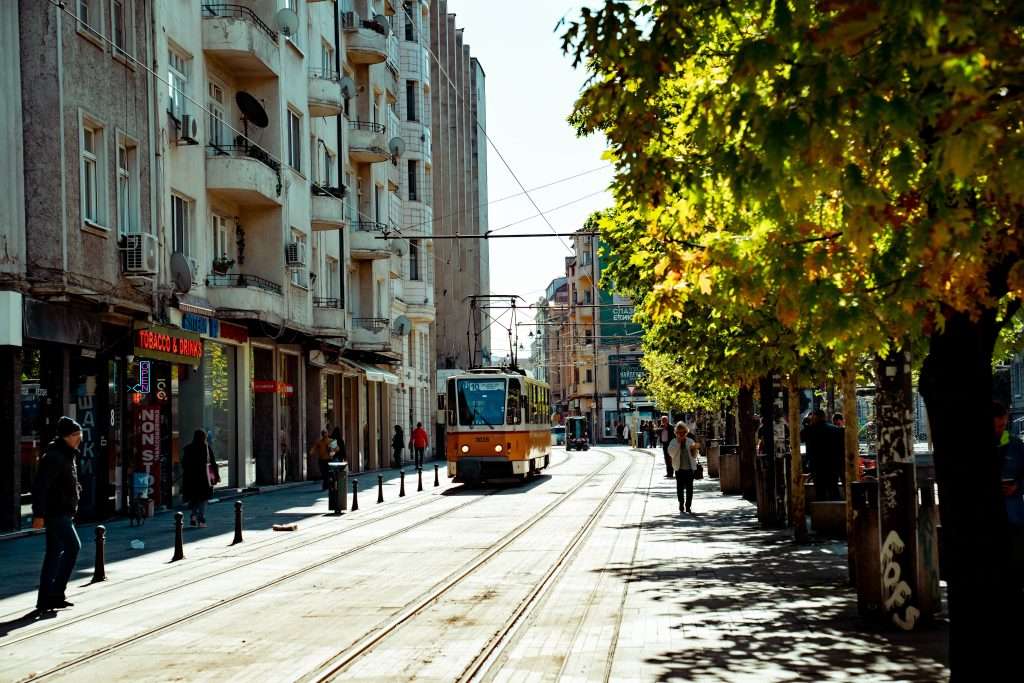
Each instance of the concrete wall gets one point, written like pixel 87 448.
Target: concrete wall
pixel 12 209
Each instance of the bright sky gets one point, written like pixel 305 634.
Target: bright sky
pixel 531 89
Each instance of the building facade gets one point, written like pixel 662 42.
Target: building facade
pixel 231 245
pixel 460 152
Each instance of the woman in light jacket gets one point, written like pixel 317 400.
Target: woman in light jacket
pixel 683 451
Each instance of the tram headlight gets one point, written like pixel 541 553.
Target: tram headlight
pixel 465 448
pixel 498 448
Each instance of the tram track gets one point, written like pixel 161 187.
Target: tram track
pixel 237 597
pixel 342 661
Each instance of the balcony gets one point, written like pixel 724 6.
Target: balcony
pixel 585 272
pixel 247 296
pixel 366 42
pixel 327 211
pixel 370 334
pixel 394 177
pixel 328 315
pixel 366 143
pixel 364 243
pixel 325 96
pixel 243 173
pixel 242 42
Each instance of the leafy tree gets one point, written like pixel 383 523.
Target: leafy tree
pixel 855 166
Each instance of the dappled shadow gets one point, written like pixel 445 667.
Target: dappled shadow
pixel 749 604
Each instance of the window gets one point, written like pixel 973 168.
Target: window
pixel 410 27
pixel 92 172
pixel 295 141
pixel 331 279
pixel 326 58
pixel 514 402
pixel 293 5
pixel 414 259
pixel 127 186
pixel 120 26
pixel 217 131
pixel 414 192
pixel 221 245
pixel 90 14
pixel 590 375
pixel 181 224
pixel 587 297
pixel 298 274
pixel 410 101
pixel 178 69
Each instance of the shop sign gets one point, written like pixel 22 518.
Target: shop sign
pixel 169 344
pixel 200 324
pixel 146 480
pixel 269 386
pixel 235 333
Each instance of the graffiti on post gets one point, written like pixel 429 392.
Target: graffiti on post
pixel 895 591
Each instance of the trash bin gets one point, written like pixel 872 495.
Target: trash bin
pixel 337 486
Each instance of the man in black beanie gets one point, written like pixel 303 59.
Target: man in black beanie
pixel 54 503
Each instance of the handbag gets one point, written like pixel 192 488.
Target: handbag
pixel 698 473
pixel 212 475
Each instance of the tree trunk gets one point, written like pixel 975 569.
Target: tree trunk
pixel 956 383
pixel 747 441
pixel 897 494
pixel 851 460
pixel 797 500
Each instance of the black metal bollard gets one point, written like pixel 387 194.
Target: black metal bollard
pixel 355 499
pixel 401 486
pixel 419 475
pixel 100 572
pixel 179 526
pixel 380 488
pixel 437 482
pixel 238 522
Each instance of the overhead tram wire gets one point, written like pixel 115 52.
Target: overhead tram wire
pixel 451 83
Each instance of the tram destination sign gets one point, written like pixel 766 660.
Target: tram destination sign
pixel 168 343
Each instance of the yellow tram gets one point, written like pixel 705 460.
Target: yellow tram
pixel 498 425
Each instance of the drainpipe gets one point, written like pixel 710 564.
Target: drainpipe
pixel 63 159
pixel 343 267
pixel 155 155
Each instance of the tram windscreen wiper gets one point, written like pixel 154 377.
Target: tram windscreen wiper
pixel 481 418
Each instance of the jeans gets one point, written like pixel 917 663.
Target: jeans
pixel 684 489
pixel 324 469
pixel 62 546
pixel 419 456
pixel 668 459
pixel 198 508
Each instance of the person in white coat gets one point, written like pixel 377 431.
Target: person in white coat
pixel 683 451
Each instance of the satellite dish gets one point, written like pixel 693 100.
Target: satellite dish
pixel 181 273
pixel 397 147
pixel 287 22
pixel 382 21
pixel 402 325
pixel 348 87
pixel 252 111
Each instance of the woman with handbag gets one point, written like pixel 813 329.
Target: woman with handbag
pixel 199 476
pixel 683 452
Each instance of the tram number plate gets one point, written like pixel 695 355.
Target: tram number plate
pixel 483 439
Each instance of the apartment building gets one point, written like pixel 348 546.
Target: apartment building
pixel 202 249
pixel 551 345
pixel 603 365
pixel 460 152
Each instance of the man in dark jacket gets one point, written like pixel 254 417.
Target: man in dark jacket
pixel 823 441
pixel 54 503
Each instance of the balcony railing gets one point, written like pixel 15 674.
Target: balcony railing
pixel 370 226
pixel 216 10
pixel 326 302
pixel 251 151
pixel 371 324
pixel 350 21
pixel 367 125
pixel 318 190
pixel 325 74
pixel 242 280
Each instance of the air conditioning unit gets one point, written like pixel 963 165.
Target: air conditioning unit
pixel 141 253
pixel 295 254
pixel 189 132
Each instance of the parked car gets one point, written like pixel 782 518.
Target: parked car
pixel 558 435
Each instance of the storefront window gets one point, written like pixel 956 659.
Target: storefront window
pixel 207 402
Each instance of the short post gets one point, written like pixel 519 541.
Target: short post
pixel 355 499
pixel 437 482
pixel 401 485
pixel 380 488
pixel 238 523
pixel 419 474
pixel 179 526
pixel 100 572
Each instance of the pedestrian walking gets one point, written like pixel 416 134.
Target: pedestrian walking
pixel 55 495
pixel 337 447
pixel 822 439
pixel 322 450
pixel 625 434
pixel 683 451
pixel 652 434
pixel 397 444
pixel 1011 458
pixel 419 443
pixel 665 437
pixel 199 476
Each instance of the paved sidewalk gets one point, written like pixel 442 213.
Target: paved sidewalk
pixel 305 503
pixel 713 598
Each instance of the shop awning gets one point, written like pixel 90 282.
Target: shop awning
pixel 373 374
pixel 190 303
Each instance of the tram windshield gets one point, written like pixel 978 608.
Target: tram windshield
pixel 481 402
